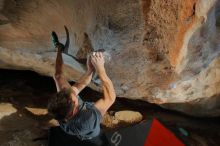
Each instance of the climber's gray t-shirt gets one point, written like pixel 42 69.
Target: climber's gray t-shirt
pixel 86 123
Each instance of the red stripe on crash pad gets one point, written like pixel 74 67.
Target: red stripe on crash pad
pixel 161 136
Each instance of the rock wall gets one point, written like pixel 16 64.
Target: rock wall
pixel 164 52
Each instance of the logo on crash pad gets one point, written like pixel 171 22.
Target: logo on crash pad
pixel 116 138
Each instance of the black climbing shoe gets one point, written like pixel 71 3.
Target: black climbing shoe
pixel 54 38
pixel 57 44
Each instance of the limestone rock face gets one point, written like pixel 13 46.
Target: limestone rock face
pixel 164 52
pixel 5 110
pixel 125 117
pixel 128 116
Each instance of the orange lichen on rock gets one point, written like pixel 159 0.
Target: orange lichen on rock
pixel 186 20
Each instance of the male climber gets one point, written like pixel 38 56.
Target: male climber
pixel 76 117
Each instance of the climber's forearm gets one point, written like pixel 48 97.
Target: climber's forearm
pixel 83 81
pixel 108 88
pixel 109 97
pixel 59 64
pixel 86 78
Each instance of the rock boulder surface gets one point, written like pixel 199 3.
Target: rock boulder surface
pixel 164 52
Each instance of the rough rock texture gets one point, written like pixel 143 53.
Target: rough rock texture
pixel 121 118
pixel 164 52
pixel 128 116
pixel 6 109
pixel 16 129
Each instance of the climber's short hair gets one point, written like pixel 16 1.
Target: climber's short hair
pixel 61 105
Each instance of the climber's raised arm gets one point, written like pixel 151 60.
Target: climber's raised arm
pixel 59 78
pixel 109 96
pixel 85 79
